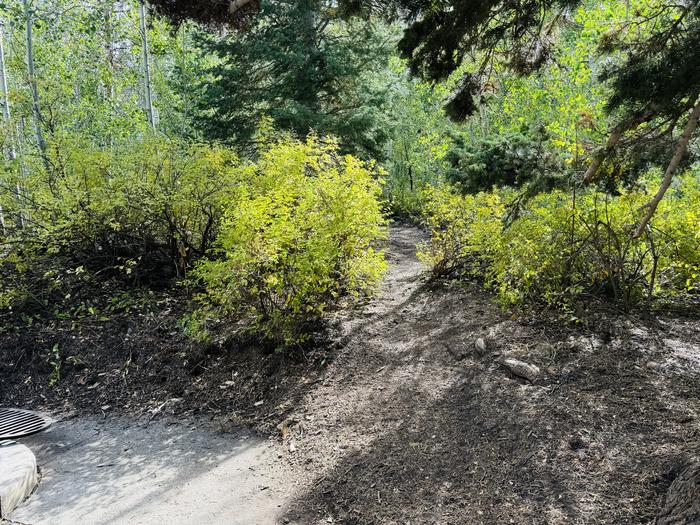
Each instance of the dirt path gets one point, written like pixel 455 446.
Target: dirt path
pixel 118 471
pixel 413 425
pixel 410 423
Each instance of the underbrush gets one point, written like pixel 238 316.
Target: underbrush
pixel 559 248
pixel 272 244
pixel 297 238
pixel 146 208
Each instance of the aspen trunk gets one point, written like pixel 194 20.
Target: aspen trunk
pixel 11 153
pixel 5 107
pixel 36 109
pixel 148 98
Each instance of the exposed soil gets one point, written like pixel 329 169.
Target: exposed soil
pixel 399 417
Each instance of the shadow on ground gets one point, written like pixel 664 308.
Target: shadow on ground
pixel 419 428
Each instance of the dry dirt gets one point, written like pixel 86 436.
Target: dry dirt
pixel 402 418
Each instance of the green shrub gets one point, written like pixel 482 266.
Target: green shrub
pixel 405 204
pixel 296 239
pixel 154 201
pixel 562 248
pixel 465 230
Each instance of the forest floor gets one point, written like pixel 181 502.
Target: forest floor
pixel 399 416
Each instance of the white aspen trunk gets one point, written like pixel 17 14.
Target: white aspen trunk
pixel 3 75
pixel 146 67
pixel 6 116
pixel 5 106
pixel 109 56
pixel 36 111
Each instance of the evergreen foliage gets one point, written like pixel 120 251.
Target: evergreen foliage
pixel 511 159
pixel 298 66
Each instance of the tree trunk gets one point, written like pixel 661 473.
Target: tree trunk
pixel 6 116
pixel 5 107
pixel 681 148
pixel 3 75
pixel 682 506
pixel 146 67
pixel 109 56
pixel 36 111
pixel 615 136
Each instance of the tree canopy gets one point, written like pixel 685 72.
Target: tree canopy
pixel 298 66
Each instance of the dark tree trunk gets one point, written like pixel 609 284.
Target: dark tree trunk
pixel 682 505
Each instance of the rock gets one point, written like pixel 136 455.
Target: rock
pixel 521 369
pixel 18 476
pixel 682 505
pixel 480 346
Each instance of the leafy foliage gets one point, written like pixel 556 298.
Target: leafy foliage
pixel 561 248
pixel 153 202
pixel 297 238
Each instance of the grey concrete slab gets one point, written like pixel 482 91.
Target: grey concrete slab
pixel 18 475
pixel 100 471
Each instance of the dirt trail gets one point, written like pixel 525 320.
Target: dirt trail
pixel 412 425
pixel 409 423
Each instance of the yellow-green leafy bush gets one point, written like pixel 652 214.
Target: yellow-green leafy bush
pixel 560 247
pixel 298 237
pixel 152 198
pixel 465 230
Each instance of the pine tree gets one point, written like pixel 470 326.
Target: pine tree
pixel 296 65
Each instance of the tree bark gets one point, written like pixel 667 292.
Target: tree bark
pixel 5 107
pixel 36 110
pixel 682 505
pixel 6 116
pixel 681 148
pixel 146 67
pixel 3 75
pixel 615 136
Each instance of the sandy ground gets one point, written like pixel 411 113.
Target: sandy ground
pixel 117 471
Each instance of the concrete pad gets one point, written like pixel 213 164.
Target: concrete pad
pixel 18 475
pixel 99 471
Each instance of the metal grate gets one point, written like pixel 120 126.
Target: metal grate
pixel 16 423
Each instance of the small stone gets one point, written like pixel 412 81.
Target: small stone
pixel 480 346
pixel 457 351
pixel 522 369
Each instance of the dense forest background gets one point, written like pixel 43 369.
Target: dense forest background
pixel 252 155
